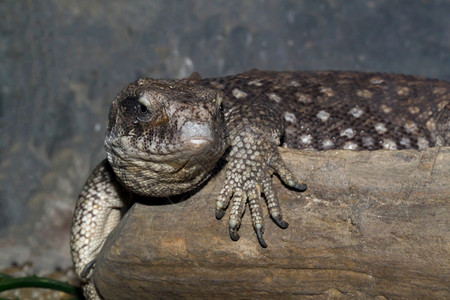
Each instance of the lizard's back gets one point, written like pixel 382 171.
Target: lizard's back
pixel 349 110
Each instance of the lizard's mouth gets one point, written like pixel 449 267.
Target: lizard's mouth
pixel 197 143
pixel 130 149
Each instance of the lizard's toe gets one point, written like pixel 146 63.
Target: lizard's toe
pixel 223 200
pixel 279 167
pixel 236 212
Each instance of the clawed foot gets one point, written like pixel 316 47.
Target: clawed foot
pixel 246 179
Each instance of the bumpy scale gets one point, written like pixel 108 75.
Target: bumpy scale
pixel 164 137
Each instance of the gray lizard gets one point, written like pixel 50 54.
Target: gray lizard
pixel 165 137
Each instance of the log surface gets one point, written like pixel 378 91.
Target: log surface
pixel 371 224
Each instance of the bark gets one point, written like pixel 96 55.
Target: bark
pixel 371 224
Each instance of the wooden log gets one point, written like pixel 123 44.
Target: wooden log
pixel 371 224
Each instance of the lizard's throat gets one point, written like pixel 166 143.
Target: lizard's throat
pixel 159 175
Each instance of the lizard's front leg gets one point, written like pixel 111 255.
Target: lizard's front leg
pixel 255 131
pixel 97 213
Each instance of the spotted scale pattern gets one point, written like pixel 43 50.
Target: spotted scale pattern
pixel 349 110
pixel 149 154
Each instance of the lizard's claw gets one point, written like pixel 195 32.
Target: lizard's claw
pixel 85 273
pixel 279 221
pixel 260 238
pixel 301 187
pixel 220 213
pixel 233 234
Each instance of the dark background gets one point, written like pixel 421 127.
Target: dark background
pixel 62 62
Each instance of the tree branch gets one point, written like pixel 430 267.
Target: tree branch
pixel 370 224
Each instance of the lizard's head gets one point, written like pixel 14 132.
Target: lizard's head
pixel 165 136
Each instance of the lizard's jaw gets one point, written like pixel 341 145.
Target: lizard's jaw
pixel 166 173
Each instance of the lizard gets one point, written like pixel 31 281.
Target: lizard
pixel 165 137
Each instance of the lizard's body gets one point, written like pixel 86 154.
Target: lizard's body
pixel 165 136
pixel 324 104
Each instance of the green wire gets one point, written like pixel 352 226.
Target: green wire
pixel 9 283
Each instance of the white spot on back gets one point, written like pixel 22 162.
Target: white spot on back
pixel 326 91
pixel 350 146
pixel 389 144
pixel 217 85
pixel 414 109
pixel 294 83
pixel 380 128
pixel 255 82
pixel 431 124
pixel 327 144
pixel 364 93
pixel 238 94
pixel 306 139
pixel 441 105
pixel 367 142
pixel 386 109
pixel 290 117
pixel 411 127
pixel 304 98
pixel 403 91
pixel 439 90
pixel 376 80
pixel 422 143
pixel 274 97
pixel 405 142
pixel 356 112
pixel 323 115
pixel 348 132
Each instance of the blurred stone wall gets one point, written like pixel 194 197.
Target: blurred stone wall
pixel 63 61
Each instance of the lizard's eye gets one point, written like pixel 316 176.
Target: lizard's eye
pixel 221 107
pixel 142 112
pixel 142 108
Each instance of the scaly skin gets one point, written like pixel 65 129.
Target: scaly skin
pixel 165 136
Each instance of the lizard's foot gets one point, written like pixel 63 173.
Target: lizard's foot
pixel 248 174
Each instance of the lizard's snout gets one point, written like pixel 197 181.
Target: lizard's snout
pixel 196 135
